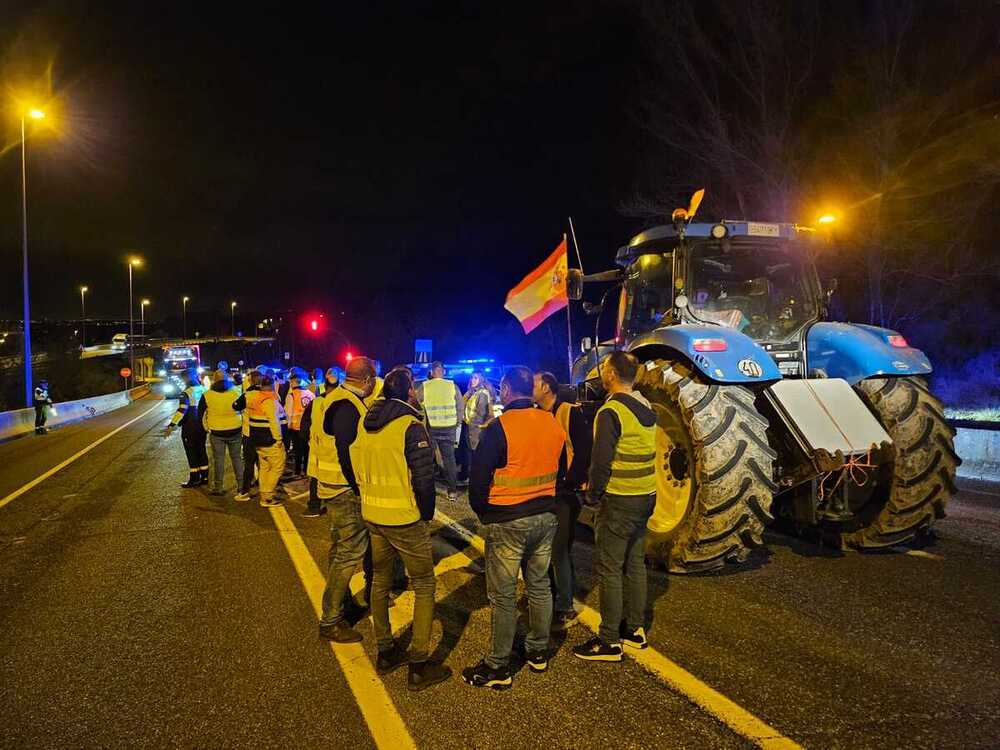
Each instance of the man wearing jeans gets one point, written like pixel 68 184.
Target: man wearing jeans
pixel 394 467
pixel 336 484
pixel 223 420
pixel 512 485
pixel 443 402
pixel 623 482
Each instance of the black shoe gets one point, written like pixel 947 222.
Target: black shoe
pixel 562 621
pixel 340 633
pixel 204 476
pixel 634 638
pixel 483 675
pixel 390 660
pixel 193 481
pixel 597 650
pixel 423 674
pixel 314 512
pixel 538 661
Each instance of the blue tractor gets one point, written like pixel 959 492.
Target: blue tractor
pixel 765 407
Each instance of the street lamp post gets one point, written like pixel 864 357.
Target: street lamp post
pixel 184 316
pixel 232 319
pixel 131 313
pixel 142 318
pixel 83 317
pixel 29 391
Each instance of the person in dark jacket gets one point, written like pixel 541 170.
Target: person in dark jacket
pixel 193 434
pixel 42 404
pixel 623 483
pixel 579 441
pixel 393 465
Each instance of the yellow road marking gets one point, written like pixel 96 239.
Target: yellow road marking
pixel 722 708
pixel 59 467
pixel 402 613
pixel 384 722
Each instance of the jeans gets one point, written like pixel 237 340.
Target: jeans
pixel 412 543
pixel 562 573
pixel 221 444
pixel 444 438
pixel 249 462
pixel 349 543
pixel 526 545
pixel 272 463
pixel 621 566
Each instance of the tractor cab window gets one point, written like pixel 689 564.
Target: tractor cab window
pixel 765 290
pixel 647 294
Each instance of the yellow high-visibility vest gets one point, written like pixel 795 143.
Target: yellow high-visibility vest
pixel 376 392
pixel 562 417
pixel 219 412
pixel 316 434
pixel 379 462
pixel 472 404
pixel 327 466
pixel 633 469
pixel 439 402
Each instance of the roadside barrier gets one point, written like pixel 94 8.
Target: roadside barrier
pixel 979 448
pixel 22 421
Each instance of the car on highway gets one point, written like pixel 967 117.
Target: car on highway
pixel 119 342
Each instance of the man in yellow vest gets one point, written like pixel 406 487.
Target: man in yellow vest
pixel 313 436
pixel 512 485
pixel 443 403
pixel 623 482
pixel 394 467
pixel 223 421
pixel 342 413
pixel 579 441
pixel 264 434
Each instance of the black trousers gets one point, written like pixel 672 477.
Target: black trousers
pixel 195 449
pixel 249 462
pixel 39 416
pixel 301 449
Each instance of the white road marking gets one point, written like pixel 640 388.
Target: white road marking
pixel 725 710
pixel 59 467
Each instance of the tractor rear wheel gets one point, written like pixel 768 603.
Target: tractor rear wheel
pixel 924 472
pixel 714 470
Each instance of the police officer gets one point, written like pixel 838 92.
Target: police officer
pixel 192 431
pixel 623 482
pixel 42 403
pixel 443 403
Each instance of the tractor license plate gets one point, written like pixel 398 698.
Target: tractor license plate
pixel 757 229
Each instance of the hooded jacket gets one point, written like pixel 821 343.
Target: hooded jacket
pixel 607 432
pixel 418 452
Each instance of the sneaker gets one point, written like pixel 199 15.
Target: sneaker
pixel 635 638
pixel 193 481
pixel 314 512
pixel 340 633
pixel 564 620
pixel 390 660
pixel 423 674
pixel 483 675
pixel 241 497
pixel 597 650
pixel 538 661
pixel 270 502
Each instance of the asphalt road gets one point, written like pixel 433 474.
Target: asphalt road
pixel 135 613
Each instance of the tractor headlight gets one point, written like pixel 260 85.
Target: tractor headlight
pixel 161 373
pixel 168 388
pixel 719 231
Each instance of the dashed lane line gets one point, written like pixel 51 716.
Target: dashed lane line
pixel 722 708
pixel 384 722
pixel 59 467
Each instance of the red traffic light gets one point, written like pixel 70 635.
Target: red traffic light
pixel 314 324
pixel 349 356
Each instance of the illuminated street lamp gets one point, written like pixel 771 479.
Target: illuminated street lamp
pixel 83 317
pixel 184 315
pixel 133 261
pixel 232 319
pixel 826 219
pixel 142 317
pixel 35 114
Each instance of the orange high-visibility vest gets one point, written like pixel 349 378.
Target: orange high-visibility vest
pixel 535 442
pixel 295 405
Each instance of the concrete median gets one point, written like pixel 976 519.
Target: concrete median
pixel 22 421
pixel 980 452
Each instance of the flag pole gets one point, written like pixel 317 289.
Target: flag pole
pixel 569 330
pixel 575 243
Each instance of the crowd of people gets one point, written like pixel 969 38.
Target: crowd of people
pixel 370 448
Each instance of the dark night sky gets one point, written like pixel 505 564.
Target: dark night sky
pixel 308 157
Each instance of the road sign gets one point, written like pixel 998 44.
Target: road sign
pixel 125 372
pixel 423 349
pixel 287 355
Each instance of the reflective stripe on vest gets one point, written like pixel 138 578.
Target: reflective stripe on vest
pixel 296 402
pixel 534 443
pixel 219 412
pixel 256 416
pixel 633 469
pixel 439 403
pixel 379 462
pixel 472 406
pixel 316 434
pixel 328 468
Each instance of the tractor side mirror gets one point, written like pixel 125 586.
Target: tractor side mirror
pixel 574 283
pixel 585 344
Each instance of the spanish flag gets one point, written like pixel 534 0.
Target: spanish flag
pixel 542 292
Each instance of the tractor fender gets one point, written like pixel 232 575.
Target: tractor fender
pixel 743 361
pixel 854 352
